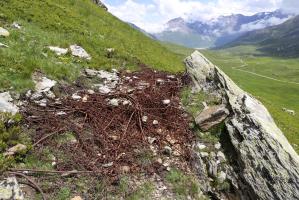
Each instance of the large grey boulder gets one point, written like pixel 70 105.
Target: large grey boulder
pixel 266 165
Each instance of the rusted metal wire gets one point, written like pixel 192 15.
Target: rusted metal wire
pixel 108 136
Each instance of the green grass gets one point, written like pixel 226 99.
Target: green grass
pixel 183 185
pixel 274 94
pixel 62 23
pixel 182 51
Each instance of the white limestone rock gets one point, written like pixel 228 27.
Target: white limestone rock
pixel 78 51
pixel 4 32
pixel 59 51
pixel 6 103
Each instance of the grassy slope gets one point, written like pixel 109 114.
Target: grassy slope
pixel 181 51
pixel 275 95
pixel 66 22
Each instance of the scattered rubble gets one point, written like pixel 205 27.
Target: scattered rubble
pixel 4 32
pixel 79 52
pixel 59 51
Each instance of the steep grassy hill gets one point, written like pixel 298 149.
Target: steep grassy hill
pixel 62 23
pixel 280 40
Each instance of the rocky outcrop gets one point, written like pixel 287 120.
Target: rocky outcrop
pixel 100 4
pixel 266 165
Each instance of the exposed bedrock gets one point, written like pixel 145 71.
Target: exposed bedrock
pixel 266 165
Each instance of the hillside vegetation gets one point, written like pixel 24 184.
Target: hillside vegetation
pixel 63 23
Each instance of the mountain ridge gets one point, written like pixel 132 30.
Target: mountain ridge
pixel 279 40
pixel 217 31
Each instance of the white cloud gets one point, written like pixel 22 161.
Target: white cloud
pixel 154 15
pixel 262 24
pixel 291 6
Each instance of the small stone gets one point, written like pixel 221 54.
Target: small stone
pixel 85 98
pixel 205 105
pixel 151 140
pixel 90 92
pixel 114 102
pixel 3 45
pixel 144 119
pixel 43 84
pixel 167 150
pixel 50 95
pixel 212 168
pixel 221 177
pixel 42 102
pixel 217 146
pixel 159 80
pixel 155 122
pixel 110 52
pixel 125 169
pixel 6 103
pixel 204 154
pixel 15 149
pixel 10 189
pixel 108 165
pixel 77 198
pixel 177 153
pixel 166 164
pixel 79 52
pixel 126 102
pixel 159 160
pixel 104 89
pixel 114 137
pixel 76 97
pixel 170 76
pixel 221 156
pixel 16 25
pixel 4 32
pixel 166 101
pixel 201 146
pixel 212 154
pixel 59 51
pixel 60 113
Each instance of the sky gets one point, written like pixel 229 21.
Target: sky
pixel 151 15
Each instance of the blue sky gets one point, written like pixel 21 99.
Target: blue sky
pixel 151 15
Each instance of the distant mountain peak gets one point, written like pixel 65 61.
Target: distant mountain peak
pixel 222 29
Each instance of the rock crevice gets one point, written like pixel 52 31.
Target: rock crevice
pixel 266 165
